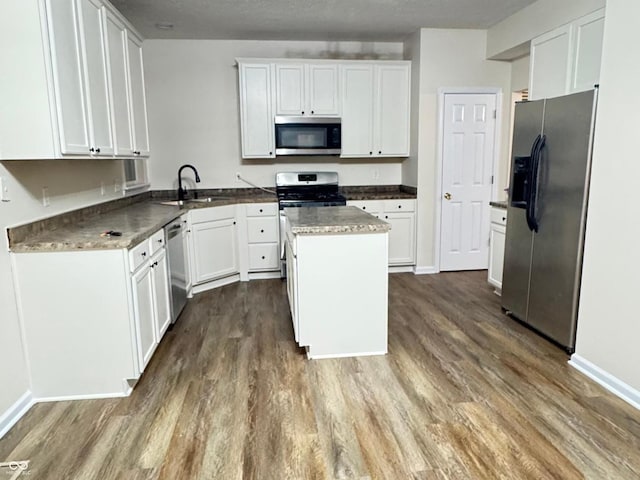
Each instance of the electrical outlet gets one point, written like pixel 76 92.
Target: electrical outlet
pixel 116 185
pixel 45 197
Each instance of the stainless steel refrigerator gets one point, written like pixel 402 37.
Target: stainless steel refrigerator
pixel 548 193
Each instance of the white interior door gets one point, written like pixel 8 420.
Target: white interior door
pixel 467 169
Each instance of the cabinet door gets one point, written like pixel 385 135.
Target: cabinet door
pixel 91 16
pixel 587 33
pixel 292 289
pixel 215 250
pixel 117 65
pixel 402 238
pixel 290 89
pixel 137 93
pixel 161 294
pixel 357 110
pixel 497 236
pixel 67 70
pixel 392 111
pixel 142 284
pixel 323 90
pixel 256 119
pixel 550 64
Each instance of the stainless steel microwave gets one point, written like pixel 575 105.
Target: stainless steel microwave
pixel 308 135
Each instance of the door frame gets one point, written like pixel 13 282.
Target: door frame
pixel 442 93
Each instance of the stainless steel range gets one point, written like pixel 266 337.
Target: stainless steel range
pixel 305 189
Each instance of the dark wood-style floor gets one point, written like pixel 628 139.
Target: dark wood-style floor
pixel 464 392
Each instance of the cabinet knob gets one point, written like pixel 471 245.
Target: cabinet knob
pixel 234 223
pixel 160 241
pixel 386 216
pixel 263 257
pixel 370 153
pixel 399 206
pixel 144 254
pixel 364 208
pixel 379 152
pixel 312 112
pixel 504 218
pixel 302 113
pixel 97 150
pixel 270 153
pixel 260 210
pixel 155 264
pixel 92 149
pixel 262 231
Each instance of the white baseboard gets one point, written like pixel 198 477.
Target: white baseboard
pixel 614 385
pixel 264 275
pixel 343 355
pixel 215 284
pixel 92 396
pixel 400 268
pixel 15 412
pixel 425 270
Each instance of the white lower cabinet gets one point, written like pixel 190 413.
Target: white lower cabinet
pixel 401 215
pixel 262 237
pixel 497 235
pixel 214 243
pixel 91 332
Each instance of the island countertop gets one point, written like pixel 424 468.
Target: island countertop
pixel 327 220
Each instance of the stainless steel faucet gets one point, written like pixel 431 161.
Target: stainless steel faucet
pixel 182 192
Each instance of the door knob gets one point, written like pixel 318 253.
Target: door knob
pixel 447 196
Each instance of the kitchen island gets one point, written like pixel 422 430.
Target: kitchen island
pixel 337 280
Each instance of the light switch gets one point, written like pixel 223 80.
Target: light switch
pixel 4 190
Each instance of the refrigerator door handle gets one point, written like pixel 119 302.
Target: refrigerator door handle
pixel 529 183
pixel 533 221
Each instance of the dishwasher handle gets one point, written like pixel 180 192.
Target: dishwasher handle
pixel 173 230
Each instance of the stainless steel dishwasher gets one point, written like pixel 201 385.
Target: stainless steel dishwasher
pixel 177 270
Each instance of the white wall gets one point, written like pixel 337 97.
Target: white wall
pixel 510 38
pixel 71 184
pixel 410 165
pixel 520 74
pixel 192 93
pixel 608 326
pixel 449 58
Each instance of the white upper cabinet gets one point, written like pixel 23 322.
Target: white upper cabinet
pixel 91 14
pixel 357 109
pixel 375 109
pixel 67 73
pixel 322 92
pixel 588 32
pixel 290 89
pixel 567 59
pixel 256 119
pixel 117 63
pixel 392 110
pixel 138 99
pixel 306 89
pixel 84 96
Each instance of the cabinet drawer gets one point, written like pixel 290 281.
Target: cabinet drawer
pixel 369 206
pixel 404 205
pixel 262 230
pixel 210 214
pixel 156 241
pixel 262 210
pixel 139 254
pixel 264 256
pixel 499 215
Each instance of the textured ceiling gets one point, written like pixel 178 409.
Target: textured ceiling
pixel 329 20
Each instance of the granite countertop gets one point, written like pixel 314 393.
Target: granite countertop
pixel 500 204
pixel 140 216
pixel 136 222
pixel 319 220
pixel 379 192
pixel 136 217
